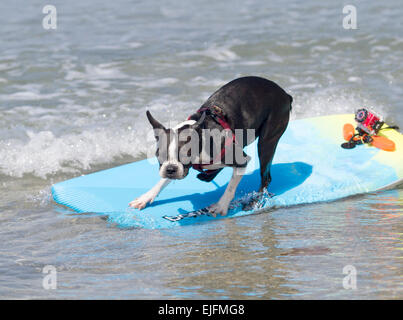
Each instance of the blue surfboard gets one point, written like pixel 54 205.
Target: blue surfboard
pixel 309 166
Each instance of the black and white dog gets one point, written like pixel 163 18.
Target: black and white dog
pixel 244 104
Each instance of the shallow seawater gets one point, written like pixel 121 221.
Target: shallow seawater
pixel 73 101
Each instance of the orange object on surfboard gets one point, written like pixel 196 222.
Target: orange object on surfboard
pixel 383 143
pixel 348 131
pixel 368 126
pixel 379 142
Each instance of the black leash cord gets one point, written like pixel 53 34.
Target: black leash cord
pixel 391 127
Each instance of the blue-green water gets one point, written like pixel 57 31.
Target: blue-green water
pixel 73 101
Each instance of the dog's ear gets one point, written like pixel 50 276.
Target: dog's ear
pixel 200 121
pixel 154 123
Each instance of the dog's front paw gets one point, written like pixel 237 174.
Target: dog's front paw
pixel 142 201
pixel 218 208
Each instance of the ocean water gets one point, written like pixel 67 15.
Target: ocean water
pixel 73 101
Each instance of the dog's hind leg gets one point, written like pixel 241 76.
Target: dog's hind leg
pixel 268 139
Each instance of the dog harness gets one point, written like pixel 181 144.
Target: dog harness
pixel 219 116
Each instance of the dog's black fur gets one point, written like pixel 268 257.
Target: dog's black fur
pixel 252 103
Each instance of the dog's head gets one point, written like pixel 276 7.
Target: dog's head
pixel 176 147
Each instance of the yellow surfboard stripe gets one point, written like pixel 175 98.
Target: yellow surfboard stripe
pixel 332 128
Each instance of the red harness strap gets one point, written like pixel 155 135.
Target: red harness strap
pixel 218 116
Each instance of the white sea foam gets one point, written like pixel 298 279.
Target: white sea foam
pixel 355 79
pixel 134 44
pixel 45 154
pixel 331 101
pixel 319 49
pixel 202 81
pixel 379 49
pixel 343 40
pixel 28 95
pixel 96 72
pixel 218 53
pixel 274 57
pixel 156 83
pixel 31 91
pixel 303 86
pixel 252 63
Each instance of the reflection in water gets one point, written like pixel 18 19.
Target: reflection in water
pixel 295 252
pixel 238 260
pixel 306 251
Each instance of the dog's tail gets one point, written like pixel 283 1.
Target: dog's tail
pixel 291 100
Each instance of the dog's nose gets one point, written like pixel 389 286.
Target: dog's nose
pixel 171 169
